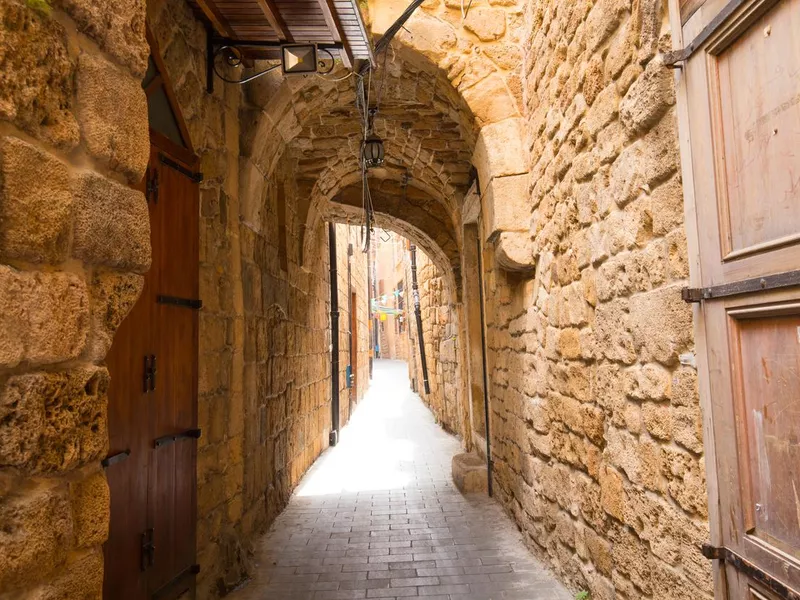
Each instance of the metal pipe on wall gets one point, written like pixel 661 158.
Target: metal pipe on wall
pixel 334 435
pixel 485 370
pixel 418 313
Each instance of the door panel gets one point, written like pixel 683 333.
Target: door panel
pixel 155 488
pixel 739 101
pixel 758 130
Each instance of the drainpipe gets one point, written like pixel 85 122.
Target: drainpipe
pixel 334 436
pixel 418 313
pixel 485 369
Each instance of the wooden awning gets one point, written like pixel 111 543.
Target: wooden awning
pixel 334 22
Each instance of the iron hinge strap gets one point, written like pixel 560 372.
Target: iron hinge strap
pixel 115 458
pixel 166 440
pixel 750 570
pixel 184 302
pixel 165 160
pixel 671 58
pixel 746 286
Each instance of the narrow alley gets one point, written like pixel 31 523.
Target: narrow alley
pixel 378 517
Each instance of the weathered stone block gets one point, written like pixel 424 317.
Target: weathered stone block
pixel 112 224
pixel 488 24
pixel 37 77
pixel 648 98
pixel 499 151
pixel 54 421
pixel 113 115
pixel 44 317
pixel 91 509
pixel 36 533
pixel 118 26
pixel 490 101
pixel 113 295
pixel 80 578
pixel 661 324
pixel 35 203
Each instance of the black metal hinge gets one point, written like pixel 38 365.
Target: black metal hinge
pixel 672 58
pixel 166 440
pixel 149 377
pixel 183 302
pixel 115 458
pixel 750 570
pixel 747 286
pixel 166 160
pixel 151 187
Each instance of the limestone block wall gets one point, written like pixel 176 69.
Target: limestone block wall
pixel 350 235
pixel 441 336
pixel 73 138
pixel 595 414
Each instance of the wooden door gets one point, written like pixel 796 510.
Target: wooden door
pixel 739 110
pixel 353 348
pixel 153 399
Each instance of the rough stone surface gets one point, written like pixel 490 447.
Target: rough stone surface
pixel 469 473
pixel 36 533
pixel 112 108
pixel 112 226
pixel 117 26
pixel 35 204
pixel 37 75
pixel 112 296
pixel 54 421
pixel 91 506
pixel 45 317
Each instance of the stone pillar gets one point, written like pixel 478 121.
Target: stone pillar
pixel 74 243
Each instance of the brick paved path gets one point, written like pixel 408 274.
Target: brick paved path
pixel 378 517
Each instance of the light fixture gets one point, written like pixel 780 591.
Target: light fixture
pixel 299 59
pixel 372 151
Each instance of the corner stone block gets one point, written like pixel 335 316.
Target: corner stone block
pixel 514 252
pixel 112 109
pixel 35 204
pixel 506 203
pixel 54 421
pixel 113 295
pixel 91 509
pixel 36 532
pixel 490 101
pixel 499 151
pixel 44 317
pixel 112 224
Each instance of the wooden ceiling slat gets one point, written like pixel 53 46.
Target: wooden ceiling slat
pixel 299 21
pixel 275 19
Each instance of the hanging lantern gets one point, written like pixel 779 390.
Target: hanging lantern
pixel 372 151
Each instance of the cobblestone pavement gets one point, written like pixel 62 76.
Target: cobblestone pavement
pixel 379 517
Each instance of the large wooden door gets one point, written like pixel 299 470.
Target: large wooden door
pixel 739 106
pixel 153 400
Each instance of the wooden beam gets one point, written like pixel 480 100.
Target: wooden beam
pixel 337 33
pixel 213 14
pixel 275 19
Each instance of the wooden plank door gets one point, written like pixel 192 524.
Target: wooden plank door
pixel 130 440
pixel 353 348
pixel 739 107
pixel 172 500
pixel 150 552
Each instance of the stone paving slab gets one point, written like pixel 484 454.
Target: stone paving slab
pixel 379 517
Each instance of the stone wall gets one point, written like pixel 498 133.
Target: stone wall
pixel 349 235
pixel 73 137
pixel 598 446
pixel 440 334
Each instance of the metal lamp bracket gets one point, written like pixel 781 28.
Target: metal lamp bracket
pixel 215 44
